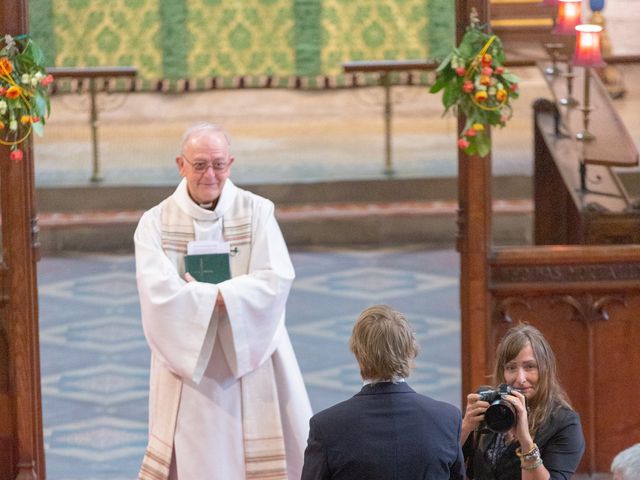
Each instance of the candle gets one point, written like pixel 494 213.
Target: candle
pixel 569 15
pixel 587 53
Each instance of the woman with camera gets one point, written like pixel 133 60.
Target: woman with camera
pixel 524 429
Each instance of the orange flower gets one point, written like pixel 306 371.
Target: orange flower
pixel 6 67
pixel 24 119
pixel 481 96
pixel 1 125
pixel 501 94
pixel 13 92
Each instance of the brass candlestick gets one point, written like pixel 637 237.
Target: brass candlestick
pixel 569 100
pixel 554 50
pixel 585 135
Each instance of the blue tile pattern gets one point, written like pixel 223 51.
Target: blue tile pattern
pixel 95 360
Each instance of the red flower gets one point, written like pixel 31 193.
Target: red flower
pixel 460 71
pixel 47 80
pixel 2 91
pixel 486 71
pixel 499 70
pixel 514 87
pixel 463 143
pixel 16 155
pixel 467 86
pixel 470 133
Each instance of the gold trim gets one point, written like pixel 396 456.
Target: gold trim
pixel 523 22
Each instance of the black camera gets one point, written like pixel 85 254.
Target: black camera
pixel 501 415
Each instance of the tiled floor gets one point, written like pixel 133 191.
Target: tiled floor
pixel 95 359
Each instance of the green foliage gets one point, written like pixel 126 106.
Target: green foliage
pixel 474 82
pixel 24 99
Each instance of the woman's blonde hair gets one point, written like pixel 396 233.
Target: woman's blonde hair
pixel 549 393
pixel 384 344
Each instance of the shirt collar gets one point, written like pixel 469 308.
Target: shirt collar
pixel 194 210
pixel 374 381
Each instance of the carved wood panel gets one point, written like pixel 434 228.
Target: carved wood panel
pixel 586 301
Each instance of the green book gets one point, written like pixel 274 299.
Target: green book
pixel 208 267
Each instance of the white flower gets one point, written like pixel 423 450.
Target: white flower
pixel 26 78
pixel 3 107
pixel 9 41
pixel 13 125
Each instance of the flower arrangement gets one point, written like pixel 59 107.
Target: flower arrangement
pixel 24 100
pixel 475 83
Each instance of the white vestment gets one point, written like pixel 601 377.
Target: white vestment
pixel 210 350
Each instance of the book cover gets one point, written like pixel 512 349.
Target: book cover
pixel 208 267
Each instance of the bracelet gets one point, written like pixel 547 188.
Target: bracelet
pixel 532 467
pixel 531 454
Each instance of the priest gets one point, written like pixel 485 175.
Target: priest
pixel 227 399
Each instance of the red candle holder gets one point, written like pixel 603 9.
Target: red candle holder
pixel 587 52
pixel 568 17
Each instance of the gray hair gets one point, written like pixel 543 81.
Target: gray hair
pixel 199 128
pixel 627 463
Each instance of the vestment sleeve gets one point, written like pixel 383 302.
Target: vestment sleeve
pixel 253 325
pixel 563 451
pixel 315 465
pixel 176 315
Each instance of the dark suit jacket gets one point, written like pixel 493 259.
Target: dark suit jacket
pixel 385 432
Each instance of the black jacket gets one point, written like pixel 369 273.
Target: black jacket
pixel 385 432
pixel 560 441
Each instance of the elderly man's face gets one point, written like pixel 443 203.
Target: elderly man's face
pixel 205 163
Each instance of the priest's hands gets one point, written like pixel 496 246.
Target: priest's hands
pixel 219 300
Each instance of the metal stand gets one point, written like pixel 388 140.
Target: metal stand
pixel 585 135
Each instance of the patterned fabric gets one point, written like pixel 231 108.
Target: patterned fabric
pixel 252 40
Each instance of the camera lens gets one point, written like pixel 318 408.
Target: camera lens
pixel 500 416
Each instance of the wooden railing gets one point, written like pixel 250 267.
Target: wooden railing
pixel 92 74
pixel 385 68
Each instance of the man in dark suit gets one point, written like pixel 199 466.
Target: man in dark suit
pixel 387 431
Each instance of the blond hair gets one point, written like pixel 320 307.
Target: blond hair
pixel 384 344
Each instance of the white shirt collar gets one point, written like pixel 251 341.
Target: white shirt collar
pixel 377 380
pixel 194 210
